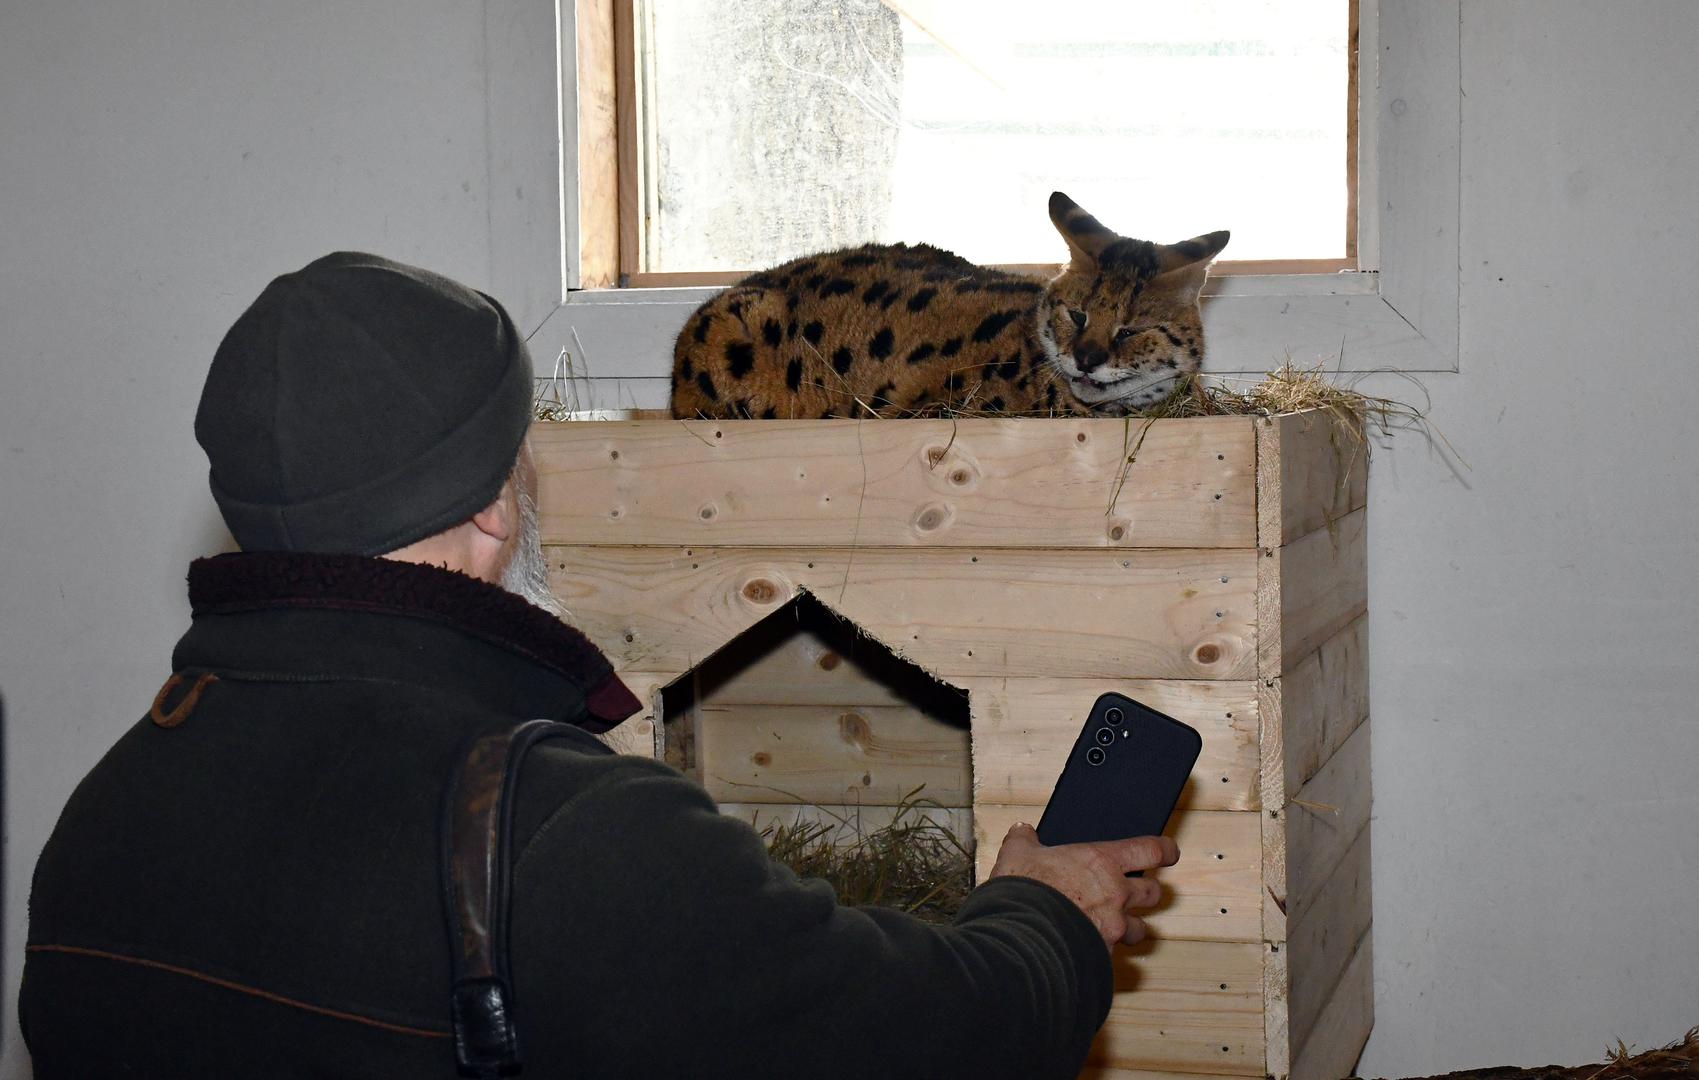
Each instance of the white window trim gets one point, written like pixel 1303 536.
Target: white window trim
pixel 1399 313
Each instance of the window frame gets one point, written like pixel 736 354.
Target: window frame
pixel 1398 311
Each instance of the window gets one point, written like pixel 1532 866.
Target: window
pixel 555 197
pixel 753 131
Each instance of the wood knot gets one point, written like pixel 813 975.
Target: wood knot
pixel 760 591
pixel 1117 532
pixel 761 759
pixel 1208 654
pixel 853 729
pixel 829 660
pixel 960 476
pixel 707 513
pixel 934 454
pixel 932 517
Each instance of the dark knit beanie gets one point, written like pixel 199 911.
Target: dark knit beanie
pixel 359 405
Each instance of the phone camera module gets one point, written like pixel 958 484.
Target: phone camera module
pixel 1096 756
pixel 1112 717
pixel 1105 737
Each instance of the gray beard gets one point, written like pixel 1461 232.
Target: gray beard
pixel 527 572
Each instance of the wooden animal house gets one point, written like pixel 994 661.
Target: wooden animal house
pixel 1002 573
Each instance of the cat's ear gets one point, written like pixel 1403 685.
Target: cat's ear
pixel 1086 236
pixel 1199 249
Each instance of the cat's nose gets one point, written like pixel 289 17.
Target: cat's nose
pixel 1092 358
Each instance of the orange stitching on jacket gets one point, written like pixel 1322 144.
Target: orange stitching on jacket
pixel 279 999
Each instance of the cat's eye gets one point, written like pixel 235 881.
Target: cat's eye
pixel 1123 334
pixel 1079 318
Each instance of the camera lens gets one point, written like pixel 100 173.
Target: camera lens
pixel 1112 717
pixel 1096 755
pixel 1104 736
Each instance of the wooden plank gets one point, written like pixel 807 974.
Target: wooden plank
pixel 598 146
pixel 1322 700
pixel 1324 936
pixel 1276 985
pixel 1324 820
pixel 1310 589
pixel 1213 892
pixel 1173 614
pixel 805 668
pixel 1023 729
pixel 1311 472
pixel 909 483
pixel 639 735
pixel 1185 1006
pixel 1310 833
pixel 1331 1047
pixel 626 105
pixel 849 821
pixel 831 754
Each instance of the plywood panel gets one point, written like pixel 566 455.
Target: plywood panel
pixel 1311 471
pixel 1024 728
pixel 1184 614
pixel 831 754
pixel 1212 893
pixel 1185 1006
pixel 905 483
pixel 1311 589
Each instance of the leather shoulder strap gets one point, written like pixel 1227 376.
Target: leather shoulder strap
pixel 477 820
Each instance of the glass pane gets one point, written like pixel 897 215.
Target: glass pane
pixel 774 128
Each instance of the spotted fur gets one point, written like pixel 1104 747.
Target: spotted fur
pixel 901 330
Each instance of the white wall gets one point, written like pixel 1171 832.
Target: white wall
pixel 1534 621
pixel 161 162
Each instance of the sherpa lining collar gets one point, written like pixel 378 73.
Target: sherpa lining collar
pixel 251 581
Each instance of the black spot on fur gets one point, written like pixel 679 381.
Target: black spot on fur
pixel 687 369
pixel 793 373
pixel 1023 382
pixel 951 347
pixel 1010 368
pixel 1050 395
pixel 772 333
pixel 790 331
pixel 994 324
pixel 741 409
pixel 882 344
pixel 813 332
pixel 875 291
pixel 792 301
pixel 736 309
pixel 770 414
pixel 996 405
pixel 803 267
pixel 911 262
pixel 953 382
pixel 1172 340
pixel 702 329
pixel 1029 287
pixel 815 281
pixel 921 352
pixel 740 357
pixel 836 287
pixel 940 273
pixel 1136 258
pixel 890 298
pixel 705 383
pixel 882 395
pixel 1194 352
pixel 842 359
pixel 919 300
pixel 852 261
pixel 971 285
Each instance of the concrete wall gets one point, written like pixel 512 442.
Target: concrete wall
pixel 1534 619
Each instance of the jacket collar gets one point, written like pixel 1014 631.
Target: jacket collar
pixel 405 617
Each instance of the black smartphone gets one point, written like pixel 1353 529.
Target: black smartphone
pixel 1123 776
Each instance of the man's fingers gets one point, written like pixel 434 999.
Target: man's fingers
pixel 1021 832
pixel 1134 932
pixel 1146 853
pixel 1143 892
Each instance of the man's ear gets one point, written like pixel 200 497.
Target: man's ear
pixel 500 519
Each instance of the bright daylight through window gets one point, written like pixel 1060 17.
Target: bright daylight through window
pixel 773 128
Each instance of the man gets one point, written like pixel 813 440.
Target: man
pixel 248 884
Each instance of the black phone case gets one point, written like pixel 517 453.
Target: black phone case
pixel 1147 758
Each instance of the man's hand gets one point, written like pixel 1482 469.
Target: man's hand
pixel 1093 876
